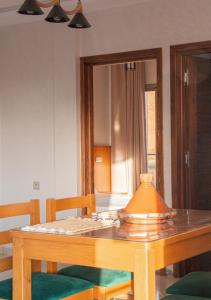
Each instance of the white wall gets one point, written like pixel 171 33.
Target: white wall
pixel 38 107
pixel 38 116
pixel 151 71
pixel 150 24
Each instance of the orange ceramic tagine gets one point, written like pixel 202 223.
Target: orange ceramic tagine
pixel 146 206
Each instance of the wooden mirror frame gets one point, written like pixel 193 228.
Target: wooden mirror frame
pixel 87 112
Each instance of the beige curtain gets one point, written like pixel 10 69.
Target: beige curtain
pixel 128 135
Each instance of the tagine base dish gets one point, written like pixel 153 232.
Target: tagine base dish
pixel 149 218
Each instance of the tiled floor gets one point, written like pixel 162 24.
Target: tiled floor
pixel 162 283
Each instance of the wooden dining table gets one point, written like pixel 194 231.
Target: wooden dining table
pixel 139 249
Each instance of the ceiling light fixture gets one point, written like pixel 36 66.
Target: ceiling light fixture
pixel 57 13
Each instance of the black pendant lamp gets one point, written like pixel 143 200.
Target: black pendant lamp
pixel 30 7
pixel 79 21
pixel 57 15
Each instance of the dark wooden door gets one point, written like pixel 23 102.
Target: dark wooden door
pixel 197 143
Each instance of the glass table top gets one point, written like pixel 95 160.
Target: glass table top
pixel 185 220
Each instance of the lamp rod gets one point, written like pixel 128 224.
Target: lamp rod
pixel 48 4
pixel 77 9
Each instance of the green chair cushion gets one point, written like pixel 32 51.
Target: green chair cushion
pixel 182 297
pixel 99 277
pixel 48 287
pixel 193 284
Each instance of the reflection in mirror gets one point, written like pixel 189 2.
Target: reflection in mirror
pixel 124 126
pixel 150 106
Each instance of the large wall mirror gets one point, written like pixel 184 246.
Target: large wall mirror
pixel 121 123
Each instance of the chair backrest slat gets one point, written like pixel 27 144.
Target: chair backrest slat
pixel 71 203
pixel 6 263
pixel 5 237
pixel 14 210
pixel 31 208
pixel 55 205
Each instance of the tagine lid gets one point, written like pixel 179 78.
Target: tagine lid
pixel 147 200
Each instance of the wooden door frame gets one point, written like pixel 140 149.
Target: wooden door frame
pixel 87 114
pixel 178 52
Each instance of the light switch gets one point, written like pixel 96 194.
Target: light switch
pixel 36 185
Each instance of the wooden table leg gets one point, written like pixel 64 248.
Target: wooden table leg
pixel 144 275
pixel 27 271
pixel 21 272
pixel 17 269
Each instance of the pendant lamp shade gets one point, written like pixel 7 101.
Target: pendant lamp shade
pixel 79 21
pixel 30 7
pixel 57 15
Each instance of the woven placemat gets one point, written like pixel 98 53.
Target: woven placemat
pixel 70 226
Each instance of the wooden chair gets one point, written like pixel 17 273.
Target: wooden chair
pixel 184 297
pixel 195 284
pixel 44 286
pixel 108 283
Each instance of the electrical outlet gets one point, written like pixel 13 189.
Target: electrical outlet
pixel 36 185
